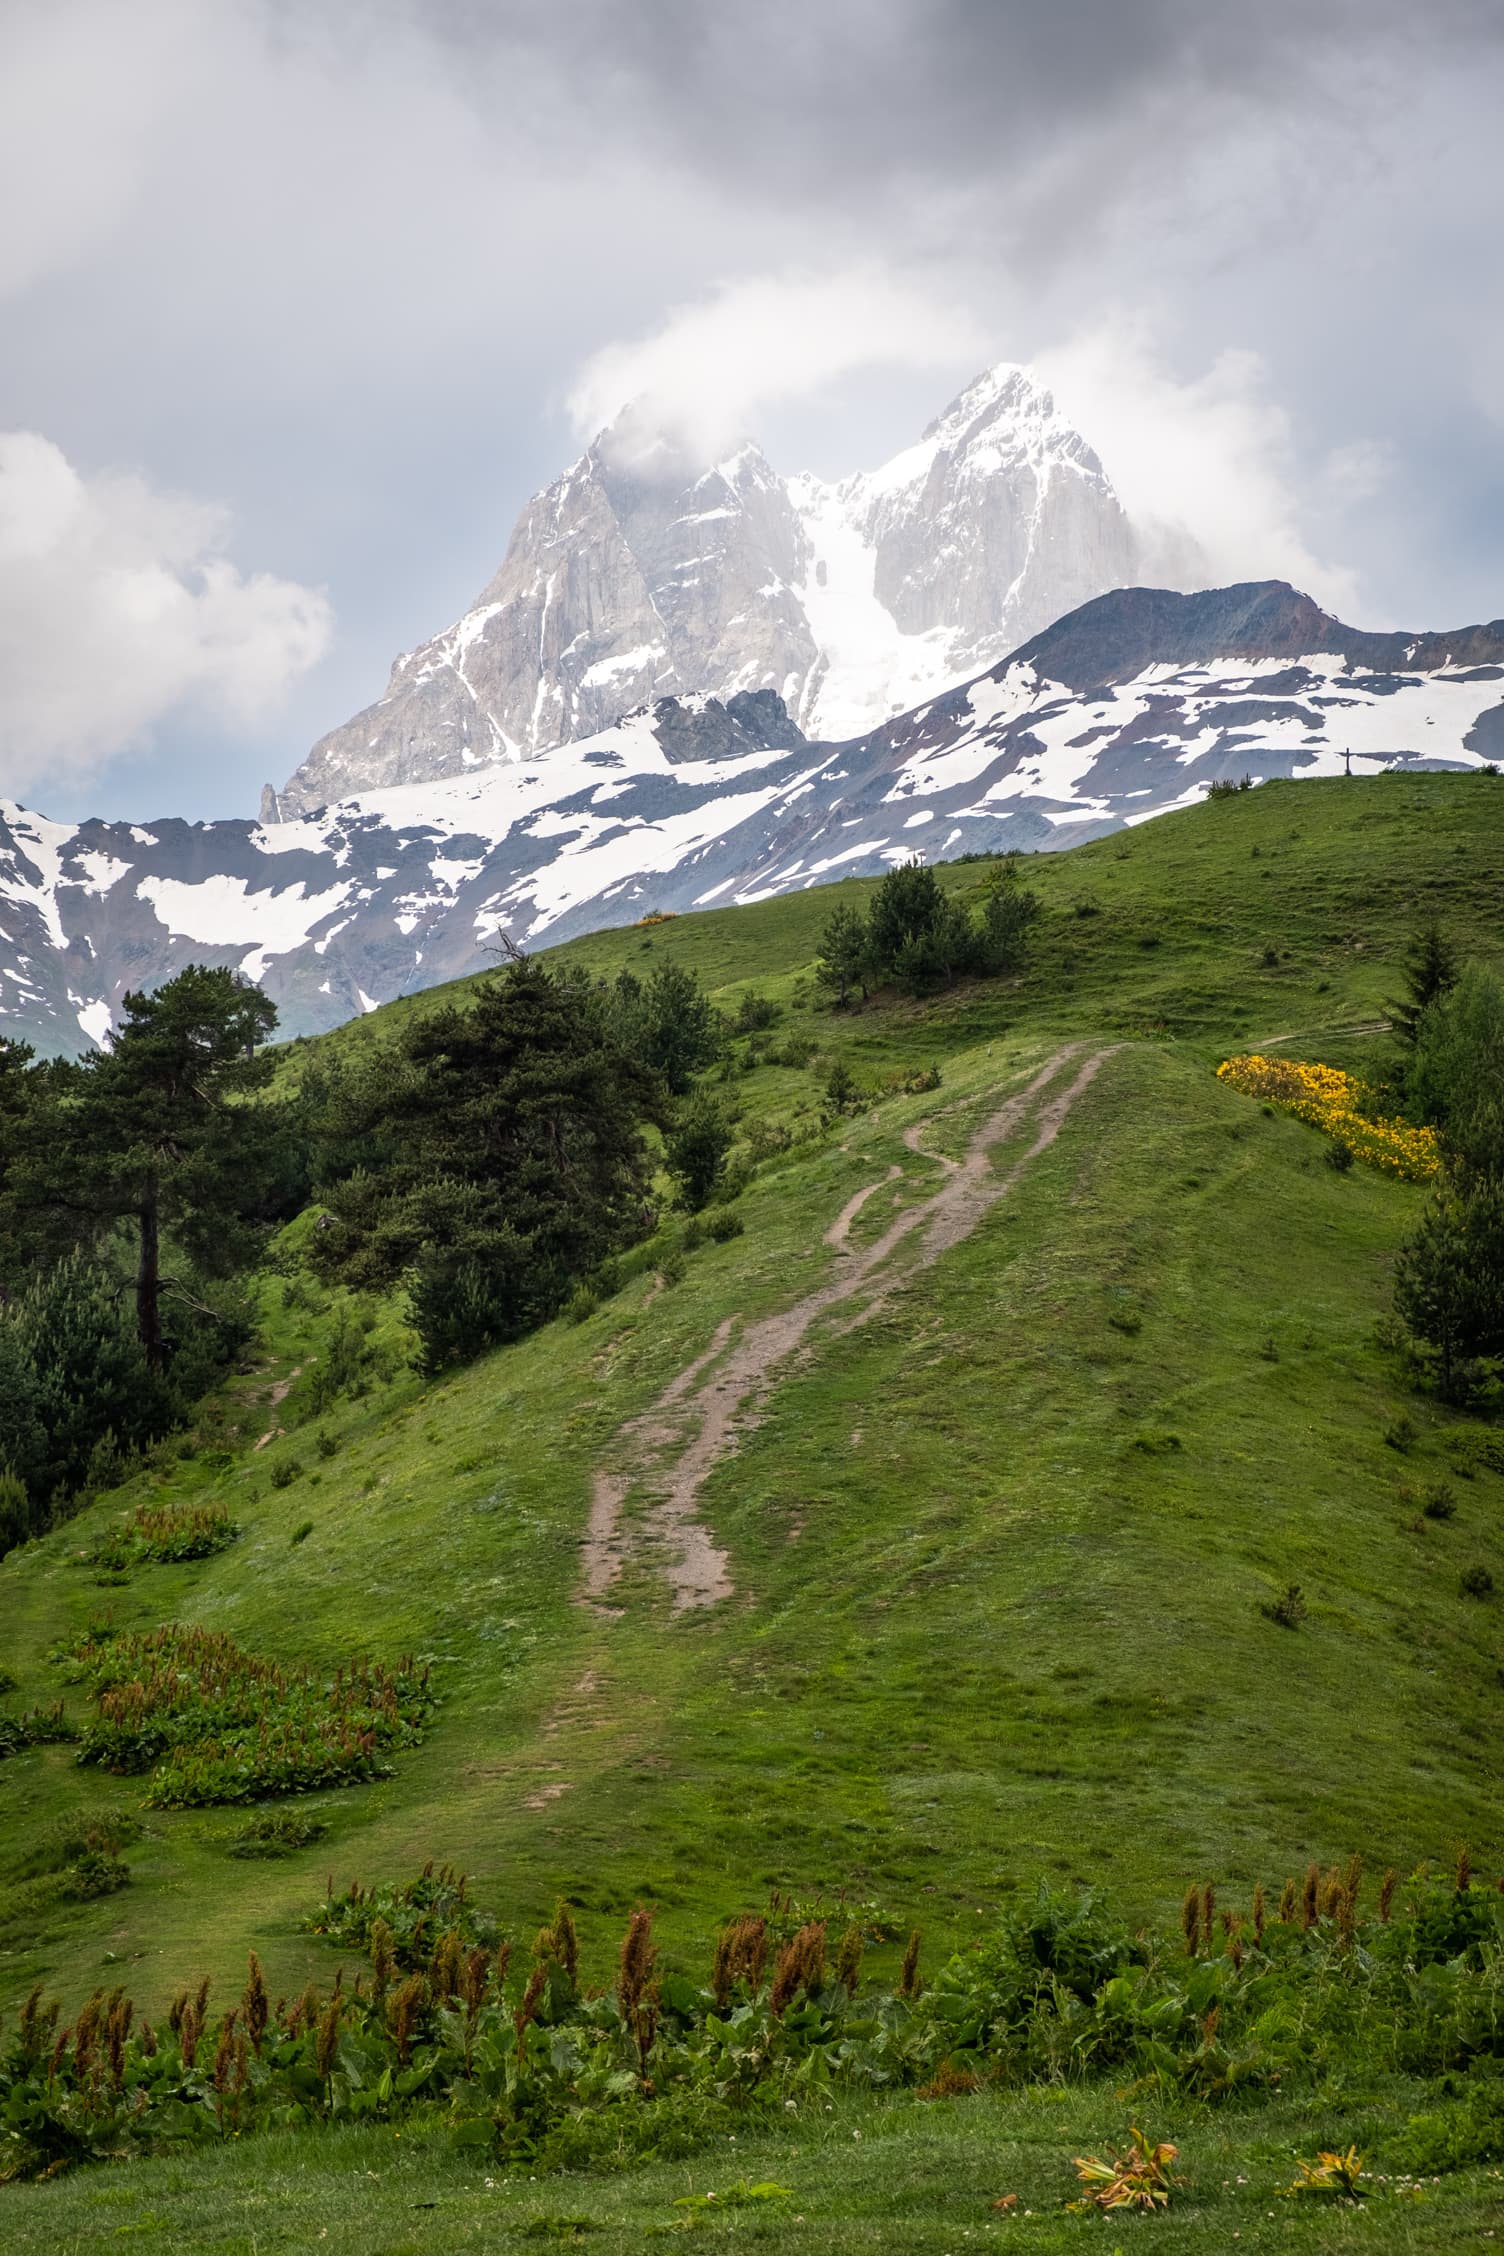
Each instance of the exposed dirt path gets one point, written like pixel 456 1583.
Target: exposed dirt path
pixel 840 1229
pixel 276 1396
pixel 669 1451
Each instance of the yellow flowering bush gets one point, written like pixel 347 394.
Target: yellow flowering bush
pixel 1333 1101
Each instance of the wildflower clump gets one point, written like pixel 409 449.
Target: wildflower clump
pixel 215 1724
pixel 1335 1103
pixel 541 2069
pixel 164 1534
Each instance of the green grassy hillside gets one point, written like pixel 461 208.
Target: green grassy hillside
pixel 996 1552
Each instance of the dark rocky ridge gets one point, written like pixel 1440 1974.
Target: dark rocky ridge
pixel 1121 634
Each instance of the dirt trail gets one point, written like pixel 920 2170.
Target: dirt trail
pixel 669 1451
pixel 840 1229
pixel 276 1396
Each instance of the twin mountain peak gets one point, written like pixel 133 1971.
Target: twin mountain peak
pixel 643 572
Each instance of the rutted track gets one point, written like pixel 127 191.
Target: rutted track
pixel 667 1453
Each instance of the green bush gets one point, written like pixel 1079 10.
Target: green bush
pixel 756 1012
pixel 285 1471
pixel 278 1833
pixel 1462 2135
pixel 1477 1449
pixel 82 1832
pixel 695 1149
pixel 40 1727
pixel 416 1914
pixel 1288 1611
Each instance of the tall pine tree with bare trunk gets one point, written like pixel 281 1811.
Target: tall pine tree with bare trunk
pixel 162 1132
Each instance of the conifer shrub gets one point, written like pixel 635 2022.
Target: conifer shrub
pixel 842 1092
pixel 285 1471
pixel 695 1149
pixel 755 1012
pixel 349 1364
pixel 18 1517
pixel 1477 1582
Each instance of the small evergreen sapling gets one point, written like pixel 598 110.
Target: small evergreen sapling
pixel 695 1150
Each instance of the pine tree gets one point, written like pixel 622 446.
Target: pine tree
pixel 157 1132
pixel 88 1375
pixel 501 1159
pixel 1009 909
pixel 17 1518
pixel 669 1023
pixel 1449 1282
pixel 695 1148
pixel 21 1435
pixel 845 956
pixel 1430 971
pixel 27 1128
pixel 919 936
pixel 1456 1077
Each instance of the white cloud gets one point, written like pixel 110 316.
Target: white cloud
pixel 1206 467
pixel 117 607
pixel 714 365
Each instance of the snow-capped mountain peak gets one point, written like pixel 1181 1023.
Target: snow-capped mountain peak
pixel 642 571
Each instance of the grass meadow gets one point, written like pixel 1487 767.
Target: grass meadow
pixel 998 1560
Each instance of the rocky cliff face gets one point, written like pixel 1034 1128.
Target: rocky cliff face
pixel 1127 707
pixel 640 572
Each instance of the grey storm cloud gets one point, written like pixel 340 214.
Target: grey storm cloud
pixel 332 285
pixel 856 97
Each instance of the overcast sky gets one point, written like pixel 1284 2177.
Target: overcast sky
pixel 301 299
